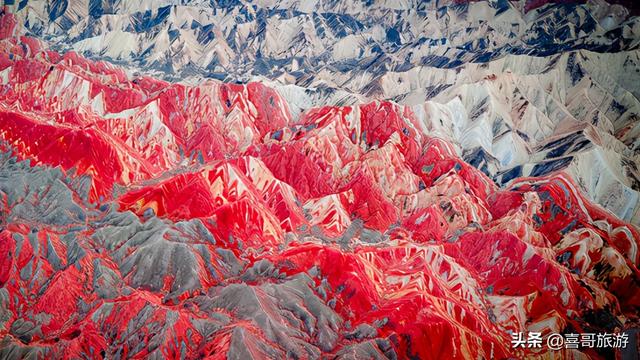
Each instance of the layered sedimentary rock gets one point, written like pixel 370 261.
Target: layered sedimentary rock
pixel 155 219
pixel 522 88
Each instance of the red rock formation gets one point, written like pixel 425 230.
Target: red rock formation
pixel 213 224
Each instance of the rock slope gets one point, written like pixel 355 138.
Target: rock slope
pixel 146 218
pixel 521 88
